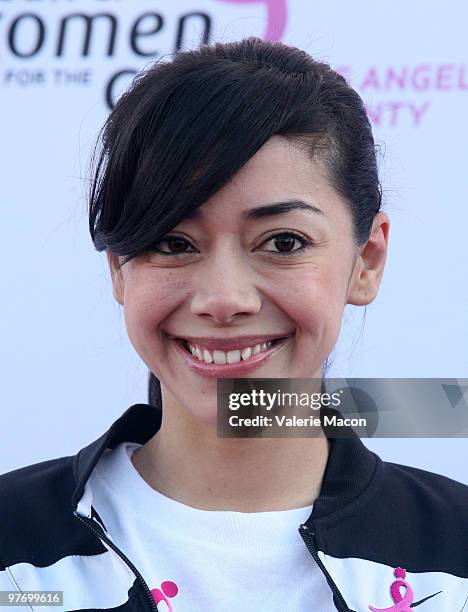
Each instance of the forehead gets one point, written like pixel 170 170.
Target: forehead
pixel 280 178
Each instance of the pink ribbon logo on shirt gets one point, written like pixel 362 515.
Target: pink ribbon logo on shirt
pixel 402 602
pixel 168 589
pixel 276 16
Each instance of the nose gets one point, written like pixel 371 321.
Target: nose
pixel 224 287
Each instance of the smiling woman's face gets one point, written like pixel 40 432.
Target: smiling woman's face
pixel 230 276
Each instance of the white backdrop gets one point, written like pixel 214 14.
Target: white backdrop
pixel 67 367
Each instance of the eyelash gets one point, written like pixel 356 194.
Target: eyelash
pixel 304 244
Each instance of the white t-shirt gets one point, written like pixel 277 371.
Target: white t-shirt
pixel 206 560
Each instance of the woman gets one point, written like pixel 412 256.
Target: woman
pixel 238 201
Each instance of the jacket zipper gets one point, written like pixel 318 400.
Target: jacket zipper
pixel 309 539
pixel 89 523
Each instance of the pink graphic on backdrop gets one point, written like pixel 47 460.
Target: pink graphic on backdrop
pixel 402 602
pixel 168 589
pixel 276 16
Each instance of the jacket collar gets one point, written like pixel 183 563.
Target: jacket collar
pixel 352 472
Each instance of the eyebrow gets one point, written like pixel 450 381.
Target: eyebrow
pixel 276 208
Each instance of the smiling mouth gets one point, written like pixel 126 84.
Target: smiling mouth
pixel 219 357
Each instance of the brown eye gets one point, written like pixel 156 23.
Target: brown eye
pixel 284 242
pixel 176 244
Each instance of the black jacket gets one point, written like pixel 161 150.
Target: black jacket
pixel 371 518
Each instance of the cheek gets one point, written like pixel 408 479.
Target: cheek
pixel 148 300
pixel 317 298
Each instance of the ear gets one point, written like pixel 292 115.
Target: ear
pixel 117 276
pixel 370 262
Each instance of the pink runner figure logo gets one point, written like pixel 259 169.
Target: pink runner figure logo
pixel 402 602
pixel 276 16
pixel 168 589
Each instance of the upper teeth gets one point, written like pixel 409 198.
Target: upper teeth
pixel 222 357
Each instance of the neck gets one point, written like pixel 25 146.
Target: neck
pixel 191 464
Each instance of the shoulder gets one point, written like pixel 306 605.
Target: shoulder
pixel 46 485
pixel 36 514
pixel 406 517
pixel 434 492
pixel 426 506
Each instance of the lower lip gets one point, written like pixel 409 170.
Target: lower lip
pixel 241 368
